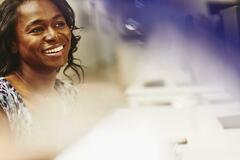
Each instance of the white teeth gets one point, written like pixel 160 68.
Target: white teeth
pixel 52 51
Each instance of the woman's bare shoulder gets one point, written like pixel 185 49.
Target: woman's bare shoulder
pixel 3 118
pixel 4 130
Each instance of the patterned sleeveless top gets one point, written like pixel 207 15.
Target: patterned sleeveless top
pixel 19 117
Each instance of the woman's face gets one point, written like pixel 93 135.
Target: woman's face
pixel 43 38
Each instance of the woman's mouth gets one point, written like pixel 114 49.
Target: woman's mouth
pixel 55 51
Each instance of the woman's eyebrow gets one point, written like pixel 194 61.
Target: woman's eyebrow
pixel 34 22
pixel 58 16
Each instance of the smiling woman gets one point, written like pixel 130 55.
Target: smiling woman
pixel 36 41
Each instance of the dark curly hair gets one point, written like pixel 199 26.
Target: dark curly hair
pixel 9 62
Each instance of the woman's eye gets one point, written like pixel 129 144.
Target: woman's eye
pixel 60 25
pixel 37 30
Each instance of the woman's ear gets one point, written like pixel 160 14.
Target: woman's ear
pixel 14 47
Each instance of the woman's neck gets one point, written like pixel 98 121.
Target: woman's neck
pixel 36 80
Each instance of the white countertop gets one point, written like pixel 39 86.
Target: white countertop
pixel 152 133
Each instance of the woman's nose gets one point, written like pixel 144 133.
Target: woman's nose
pixel 51 35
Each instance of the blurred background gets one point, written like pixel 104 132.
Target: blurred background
pixel 171 41
pixel 161 79
pixel 158 43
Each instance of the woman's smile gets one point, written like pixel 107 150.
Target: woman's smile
pixel 55 51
